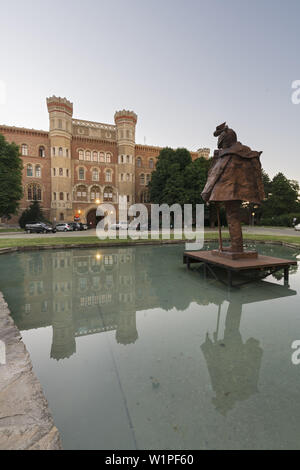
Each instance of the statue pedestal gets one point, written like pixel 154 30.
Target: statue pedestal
pixel 235 254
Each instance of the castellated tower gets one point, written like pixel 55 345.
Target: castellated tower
pixel 60 137
pixel 125 123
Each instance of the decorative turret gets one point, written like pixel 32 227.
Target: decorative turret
pixel 125 123
pixel 60 135
pixel 205 152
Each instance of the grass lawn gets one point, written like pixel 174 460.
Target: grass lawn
pixel 3 230
pixel 44 241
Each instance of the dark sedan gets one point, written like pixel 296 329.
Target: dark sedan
pixel 39 227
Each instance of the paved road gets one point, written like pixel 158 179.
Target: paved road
pixel 92 233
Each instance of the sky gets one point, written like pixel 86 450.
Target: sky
pixel 184 66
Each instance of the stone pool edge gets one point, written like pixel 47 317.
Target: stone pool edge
pixel 72 246
pixel 25 419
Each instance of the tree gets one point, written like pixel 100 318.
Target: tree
pixel 34 213
pixel 11 191
pixel 167 181
pixel 282 197
pixel 179 180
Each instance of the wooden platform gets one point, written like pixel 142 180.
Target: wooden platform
pixel 264 265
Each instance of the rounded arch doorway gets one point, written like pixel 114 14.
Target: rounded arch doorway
pixel 92 219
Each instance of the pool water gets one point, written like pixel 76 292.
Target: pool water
pixel 136 352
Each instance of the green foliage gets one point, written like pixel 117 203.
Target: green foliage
pixel 283 220
pixel 177 179
pixel 34 213
pixel 282 197
pixel 10 178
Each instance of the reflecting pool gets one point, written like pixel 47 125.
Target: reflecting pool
pixel 136 352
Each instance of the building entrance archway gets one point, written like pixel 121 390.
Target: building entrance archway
pixel 92 219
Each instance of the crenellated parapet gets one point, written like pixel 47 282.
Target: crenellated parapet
pixel 57 104
pixel 125 115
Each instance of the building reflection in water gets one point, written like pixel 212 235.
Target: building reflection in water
pixel 82 293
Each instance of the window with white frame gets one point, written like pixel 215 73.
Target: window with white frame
pixel 108 158
pixel 95 156
pixel 29 171
pixel 81 173
pixel 38 172
pixel 24 149
pixel 80 155
pixel 108 176
pixel 88 156
pixel 95 174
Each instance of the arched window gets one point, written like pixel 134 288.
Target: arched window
pixel 24 149
pixel 128 158
pixel 148 178
pixel 122 158
pixel 88 155
pixel 108 194
pixel 54 171
pixel 108 158
pixel 67 152
pixel 142 179
pixel 128 177
pixel 95 193
pixel 38 172
pixel 139 162
pixel 60 151
pixel 81 194
pixel 42 152
pixel 61 196
pixel 53 151
pixel 151 163
pixel 54 196
pixel 95 156
pixel 81 173
pixel 95 174
pixel 29 171
pixel 61 172
pixel 101 157
pixel 80 155
pixel 34 192
pixel 108 176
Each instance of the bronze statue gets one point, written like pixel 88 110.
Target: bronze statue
pixel 235 176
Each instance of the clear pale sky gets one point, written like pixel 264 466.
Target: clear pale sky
pixel 184 66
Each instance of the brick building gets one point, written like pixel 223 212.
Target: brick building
pixel 79 164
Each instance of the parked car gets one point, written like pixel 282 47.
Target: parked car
pixel 297 227
pixel 63 227
pixel 119 226
pixel 83 226
pixel 75 226
pixel 39 227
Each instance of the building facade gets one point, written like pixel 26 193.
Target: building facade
pixel 79 164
